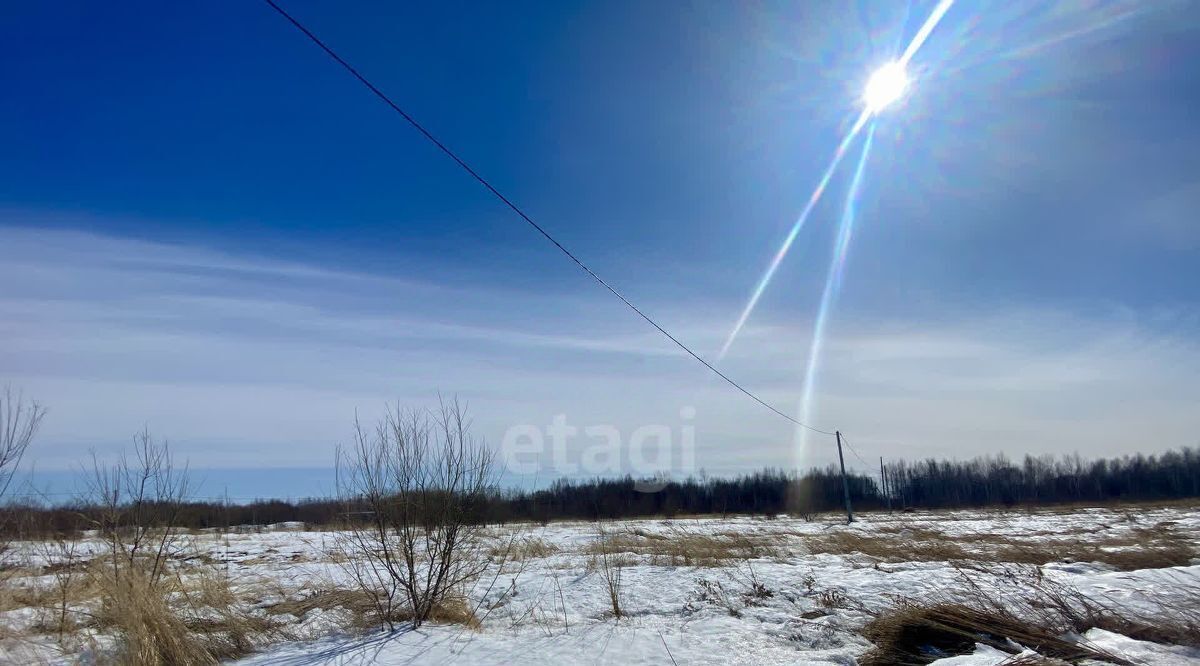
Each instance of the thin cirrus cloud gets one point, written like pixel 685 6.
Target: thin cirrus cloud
pixel 245 362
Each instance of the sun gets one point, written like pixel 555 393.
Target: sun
pixel 885 86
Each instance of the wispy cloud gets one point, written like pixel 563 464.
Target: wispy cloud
pixel 246 361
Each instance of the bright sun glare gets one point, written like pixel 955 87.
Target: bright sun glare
pixel 885 86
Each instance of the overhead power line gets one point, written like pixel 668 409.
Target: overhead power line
pixel 846 441
pixel 520 213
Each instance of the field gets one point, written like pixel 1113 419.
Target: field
pixel 1115 585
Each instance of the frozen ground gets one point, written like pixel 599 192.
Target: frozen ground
pixel 700 591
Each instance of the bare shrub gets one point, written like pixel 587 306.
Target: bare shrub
pixel 413 488
pixel 160 618
pixel 67 567
pixel 611 564
pixel 137 508
pixel 19 422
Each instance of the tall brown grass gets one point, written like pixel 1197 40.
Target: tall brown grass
pixel 679 547
pixel 1013 606
pixel 1156 547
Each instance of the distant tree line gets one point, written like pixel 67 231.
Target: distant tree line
pixel 1045 480
pixel 981 482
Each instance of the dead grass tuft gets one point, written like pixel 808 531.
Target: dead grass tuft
pixel 919 634
pixel 895 548
pixel 1158 547
pixel 151 632
pixel 360 604
pixel 678 547
pixel 1011 607
pixel 522 550
pixel 1142 548
pixel 1032 660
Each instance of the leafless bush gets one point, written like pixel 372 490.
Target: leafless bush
pixel 135 508
pixel 137 505
pixel 413 489
pixel 19 422
pixel 610 564
pixel 68 569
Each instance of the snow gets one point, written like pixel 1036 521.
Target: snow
pixel 1142 651
pixel 560 612
pixel 984 655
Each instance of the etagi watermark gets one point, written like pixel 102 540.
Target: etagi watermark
pixel 656 450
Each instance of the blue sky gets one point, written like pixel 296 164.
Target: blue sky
pixel 206 226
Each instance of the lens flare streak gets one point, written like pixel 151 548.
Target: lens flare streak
pixel 832 282
pixel 914 45
pixel 918 40
pixel 815 197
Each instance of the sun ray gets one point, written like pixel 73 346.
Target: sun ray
pixel 833 281
pixel 925 30
pixel 935 17
pixel 815 197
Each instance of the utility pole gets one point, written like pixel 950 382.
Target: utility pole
pixel 883 479
pixel 845 483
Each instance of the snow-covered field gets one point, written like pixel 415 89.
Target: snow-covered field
pixel 696 591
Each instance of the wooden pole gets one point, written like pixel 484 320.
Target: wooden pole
pixel 883 479
pixel 845 483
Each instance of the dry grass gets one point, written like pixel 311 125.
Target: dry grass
pixel 1032 660
pixel 1013 606
pixel 362 607
pixel 888 548
pixel 1156 547
pixel 151 631
pixel 522 550
pixel 455 610
pixel 678 547
pixel 360 604
pixel 917 634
